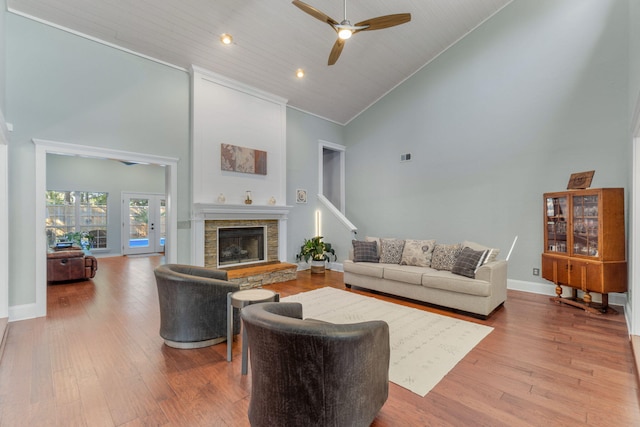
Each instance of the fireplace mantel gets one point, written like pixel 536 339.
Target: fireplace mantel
pixel 203 211
pixel 214 211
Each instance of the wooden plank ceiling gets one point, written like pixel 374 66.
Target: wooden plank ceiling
pixel 272 39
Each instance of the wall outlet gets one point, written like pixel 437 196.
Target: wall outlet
pixel 536 271
pixel 405 157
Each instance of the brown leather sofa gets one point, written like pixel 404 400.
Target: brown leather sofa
pixel 70 265
pixel 312 373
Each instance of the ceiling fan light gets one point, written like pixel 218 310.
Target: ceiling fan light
pixel 226 38
pixel 344 34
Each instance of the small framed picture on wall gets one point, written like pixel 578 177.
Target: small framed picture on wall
pixel 301 196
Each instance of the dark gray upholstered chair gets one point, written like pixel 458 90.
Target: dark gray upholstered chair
pixel 193 305
pixel 313 373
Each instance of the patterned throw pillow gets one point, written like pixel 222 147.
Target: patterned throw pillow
pixel 444 256
pixel 365 251
pixel 417 252
pixel 468 262
pixel 391 251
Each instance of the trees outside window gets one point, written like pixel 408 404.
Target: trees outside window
pixel 83 212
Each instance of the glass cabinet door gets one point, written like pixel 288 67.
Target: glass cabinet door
pixel 585 225
pixel 556 224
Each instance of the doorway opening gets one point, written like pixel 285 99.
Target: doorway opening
pixel 332 170
pixel 42 148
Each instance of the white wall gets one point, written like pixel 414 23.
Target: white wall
pixel 4 232
pixel 331 185
pixel 536 93
pixel 633 308
pixel 227 112
pixel 4 179
pixel 304 132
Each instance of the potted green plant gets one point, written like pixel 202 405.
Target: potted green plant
pixel 318 252
pixel 81 239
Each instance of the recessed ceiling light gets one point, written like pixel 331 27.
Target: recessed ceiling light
pixel 299 73
pixel 226 38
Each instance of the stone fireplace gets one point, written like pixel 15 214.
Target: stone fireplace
pixel 209 218
pixel 229 243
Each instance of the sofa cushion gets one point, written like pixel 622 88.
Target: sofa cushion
pixel 391 251
pixel 65 254
pixel 364 268
pixel 405 273
pixel 448 281
pixel 444 256
pixel 417 252
pixel 365 251
pixel 493 252
pixel 468 262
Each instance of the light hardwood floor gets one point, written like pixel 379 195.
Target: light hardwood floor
pixel 97 360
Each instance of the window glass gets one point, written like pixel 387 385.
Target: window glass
pixel 79 216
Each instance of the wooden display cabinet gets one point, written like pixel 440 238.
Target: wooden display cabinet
pixel 584 244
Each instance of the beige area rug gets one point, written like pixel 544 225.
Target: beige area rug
pixel 424 346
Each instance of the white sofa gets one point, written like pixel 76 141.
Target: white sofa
pixel 479 295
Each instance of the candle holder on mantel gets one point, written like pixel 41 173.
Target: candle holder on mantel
pixel 247 198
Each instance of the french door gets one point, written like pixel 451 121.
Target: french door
pixel 143 223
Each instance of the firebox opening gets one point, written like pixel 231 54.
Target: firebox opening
pixel 240 245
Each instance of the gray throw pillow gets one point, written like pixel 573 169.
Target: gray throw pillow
pixel 491 255
pixel 365 251
pixel 444 256
pixel 391 251
pixel 468 262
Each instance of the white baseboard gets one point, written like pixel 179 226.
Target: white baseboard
pixel 533 287
pixel 335 266
pixel 22 312
pixel 550 289
pixel 3 335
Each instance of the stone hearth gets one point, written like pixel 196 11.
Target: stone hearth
pixel 265 274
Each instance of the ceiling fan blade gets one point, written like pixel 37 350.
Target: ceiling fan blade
pixel 384 21
pixel 336 51
pixel 315 12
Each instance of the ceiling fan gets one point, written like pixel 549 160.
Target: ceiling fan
pixel 345 30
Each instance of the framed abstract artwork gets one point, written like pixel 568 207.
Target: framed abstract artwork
pixel 243 159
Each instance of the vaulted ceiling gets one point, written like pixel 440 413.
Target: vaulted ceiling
pixel 272 39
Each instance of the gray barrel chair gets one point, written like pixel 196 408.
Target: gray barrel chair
pixel 193 305
pixel 313 373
